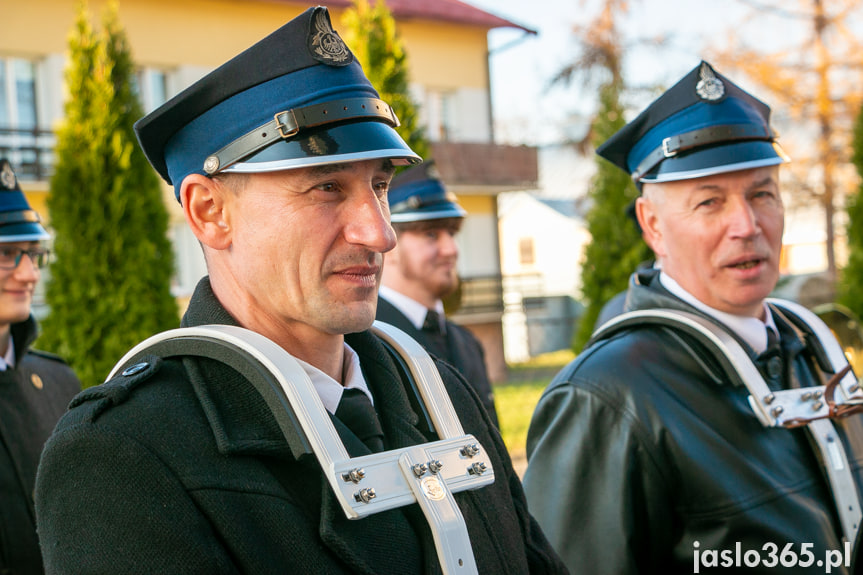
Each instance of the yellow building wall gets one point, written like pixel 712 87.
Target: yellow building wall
pixel 37 200
pixel 445 55
pixel 478 205
pixel 168 33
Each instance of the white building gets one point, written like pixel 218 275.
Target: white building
pixel 542 239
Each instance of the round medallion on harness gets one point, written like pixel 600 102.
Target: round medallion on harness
pixel 433 488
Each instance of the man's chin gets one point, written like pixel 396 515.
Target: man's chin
pixel 445 289
pixel 359 317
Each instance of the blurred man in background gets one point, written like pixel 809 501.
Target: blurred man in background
pixel 422 270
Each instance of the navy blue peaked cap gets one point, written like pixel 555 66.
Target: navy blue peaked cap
pixel 418 194
pixel 703 125
pixel 18 222
pixel 297 98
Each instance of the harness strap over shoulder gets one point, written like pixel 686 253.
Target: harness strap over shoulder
pixel 427 474
pixel 786 408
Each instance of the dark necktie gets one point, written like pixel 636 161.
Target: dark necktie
pixel 771 358
pixel 435 340
pixel 433 323
pixel 356 411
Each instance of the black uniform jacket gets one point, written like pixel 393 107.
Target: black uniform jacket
pixel 33 396
pixel 463 351
pixel 181 468
pixel 641 455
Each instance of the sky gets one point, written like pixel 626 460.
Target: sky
pixel 527 110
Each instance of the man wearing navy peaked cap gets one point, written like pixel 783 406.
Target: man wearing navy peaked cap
pixel 421 270
pixel 35 387
pixel 693 429
pixel 281 160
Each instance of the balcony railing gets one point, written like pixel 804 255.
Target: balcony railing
pixel 31 151
pixel 480 294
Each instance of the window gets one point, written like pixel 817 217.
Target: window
pixel 440 109
pixel 21 140
pixel 526 255
pixel 17 94
pixel 152 88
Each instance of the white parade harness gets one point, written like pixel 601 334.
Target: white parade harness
pixel 812 407
pixel 427 474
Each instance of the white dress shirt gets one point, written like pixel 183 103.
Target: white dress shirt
pixel 8 361
pixel 413 310
pixel 749 329
pixel 330 390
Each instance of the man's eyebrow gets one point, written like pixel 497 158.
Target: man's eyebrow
pixel 759 184
pixel 763 182
pixel 326 169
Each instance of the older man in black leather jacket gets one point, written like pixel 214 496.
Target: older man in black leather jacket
pixel 644 454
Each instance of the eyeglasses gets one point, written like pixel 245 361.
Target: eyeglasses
pixel 10 256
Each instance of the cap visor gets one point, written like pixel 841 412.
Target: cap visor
pixel 345 143
pixel 717 160
pixel 434 212
pixel 23 232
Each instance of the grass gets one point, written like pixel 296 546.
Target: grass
pixel 551 360
pixel 516 400
pixel 514 403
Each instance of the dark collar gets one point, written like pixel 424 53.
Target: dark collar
pixel 23 334
pixel 240 418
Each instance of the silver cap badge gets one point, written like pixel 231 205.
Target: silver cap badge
pixel 7 177
pixel 709 87
pixel 326 45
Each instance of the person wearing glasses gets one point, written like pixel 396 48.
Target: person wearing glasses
pixel 35 387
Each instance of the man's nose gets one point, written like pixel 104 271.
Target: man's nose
pixel 743 219
pixel 26 269
pixel 447 244
pixel 369 224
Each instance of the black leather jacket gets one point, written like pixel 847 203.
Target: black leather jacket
pixel 643 458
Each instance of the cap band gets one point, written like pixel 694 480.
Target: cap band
pixel 289 123
pixel 673 145
pixel 418 202
pixel 19 217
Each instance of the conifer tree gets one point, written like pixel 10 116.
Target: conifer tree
pixel 616 248
pixel 370 32
pixel 110 281
pixel 851 278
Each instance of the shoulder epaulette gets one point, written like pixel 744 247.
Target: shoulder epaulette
pixel 117 389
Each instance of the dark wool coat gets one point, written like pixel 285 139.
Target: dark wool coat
pixel 641 454
pixel 182 468
pixel 33 396
pixel 463 351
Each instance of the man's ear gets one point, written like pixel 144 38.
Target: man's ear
pixel 206 210
pixel 648 219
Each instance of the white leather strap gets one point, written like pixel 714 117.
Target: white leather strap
pixel 427 474
pixel 784 408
